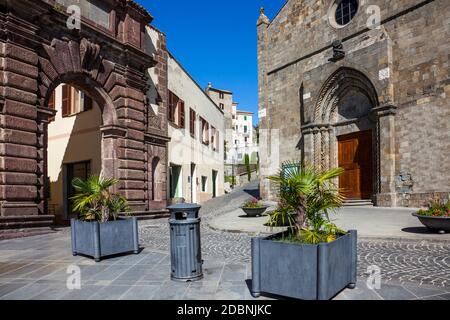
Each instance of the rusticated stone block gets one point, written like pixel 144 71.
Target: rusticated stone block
pixel 17 150
pixel 128 174
pixel 19 137
pixel 131 164
pixel 135 135
pixel 17 193
pixel 114 80
pixel 134 94
pixel 128 113
pixel 20 82
pixel 19 67
pixel 19 53
pixel 19 109
pixel 18 165
pixel 107 68
pixel 130 104
pixel 13 178
pixel 129 154
pixel 18 209
pixel 131 144
pixel 20 95
pixel 133 195
pixel 74 53
pixel 132 185
pixel 133 124
pixel 17 123
pixel 117 92
pixel 48 68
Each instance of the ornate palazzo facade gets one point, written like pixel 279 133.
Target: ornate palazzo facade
pixel 110 63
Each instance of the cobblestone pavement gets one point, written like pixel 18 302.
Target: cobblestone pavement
pixel 37 267
pixel 419 262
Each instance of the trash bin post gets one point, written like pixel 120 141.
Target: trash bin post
pixel 185 246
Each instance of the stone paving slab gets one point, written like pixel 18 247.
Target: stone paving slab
pixel 371 222
pixel 147 276
pixel 36 267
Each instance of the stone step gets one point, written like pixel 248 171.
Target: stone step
pixel 25 226
pixel 22 222
pixel 358 203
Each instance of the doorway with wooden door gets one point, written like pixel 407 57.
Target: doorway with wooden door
pixel 355 156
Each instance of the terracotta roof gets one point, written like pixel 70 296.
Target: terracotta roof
pixel 139 8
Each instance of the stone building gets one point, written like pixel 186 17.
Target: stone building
pixel 238 124
pixel 243 141
pixel 336 88
pixel 197 132
pixel 119 62
pixel 224 99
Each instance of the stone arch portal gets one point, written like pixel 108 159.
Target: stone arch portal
pixel 39 53
pixel 348 104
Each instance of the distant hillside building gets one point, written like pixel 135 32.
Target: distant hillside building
pixel 243 142
pixel 336 89
pixel 239 127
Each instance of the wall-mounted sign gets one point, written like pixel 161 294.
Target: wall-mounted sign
pixel 385 73
pixel 262 113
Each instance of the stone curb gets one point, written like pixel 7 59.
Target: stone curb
pixel 360 237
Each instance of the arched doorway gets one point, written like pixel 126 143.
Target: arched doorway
pixel 355 131
pixel 344 132
pixel 74 143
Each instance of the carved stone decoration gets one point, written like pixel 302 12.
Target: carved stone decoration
pixel 404 183
pixel 89 53
pixel 262 18
pixel 338 51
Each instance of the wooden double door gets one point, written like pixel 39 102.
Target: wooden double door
pixel 355 156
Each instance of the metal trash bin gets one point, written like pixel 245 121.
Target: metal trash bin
pixel 185 248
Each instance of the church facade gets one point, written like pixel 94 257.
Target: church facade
pixel 364 86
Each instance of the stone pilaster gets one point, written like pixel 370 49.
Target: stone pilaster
pixel 386 194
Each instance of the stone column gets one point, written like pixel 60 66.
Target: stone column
pixel 334 161
pixel 308 149
pixel 317 148
pixel 325 133
pixel 111 140
pixel 386 194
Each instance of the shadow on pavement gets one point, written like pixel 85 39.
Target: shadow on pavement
pixel 418 230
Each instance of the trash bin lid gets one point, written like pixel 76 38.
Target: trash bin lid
pixel 184 206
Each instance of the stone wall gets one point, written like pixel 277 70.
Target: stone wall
pixel 407 62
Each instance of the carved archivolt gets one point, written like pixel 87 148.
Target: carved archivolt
pixel 69 58
pixel 89 53
pixel 324 154
pixel 335 87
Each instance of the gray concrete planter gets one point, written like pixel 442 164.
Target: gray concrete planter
pixel 435 224
pixel 308 272
pixel 254 212
pixel 100 240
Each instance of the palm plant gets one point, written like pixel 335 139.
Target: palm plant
pixel 95 202
pixel 311 195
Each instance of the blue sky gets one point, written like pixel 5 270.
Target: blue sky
pixel 215 40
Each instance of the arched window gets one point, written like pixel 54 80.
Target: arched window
pixel 346 11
